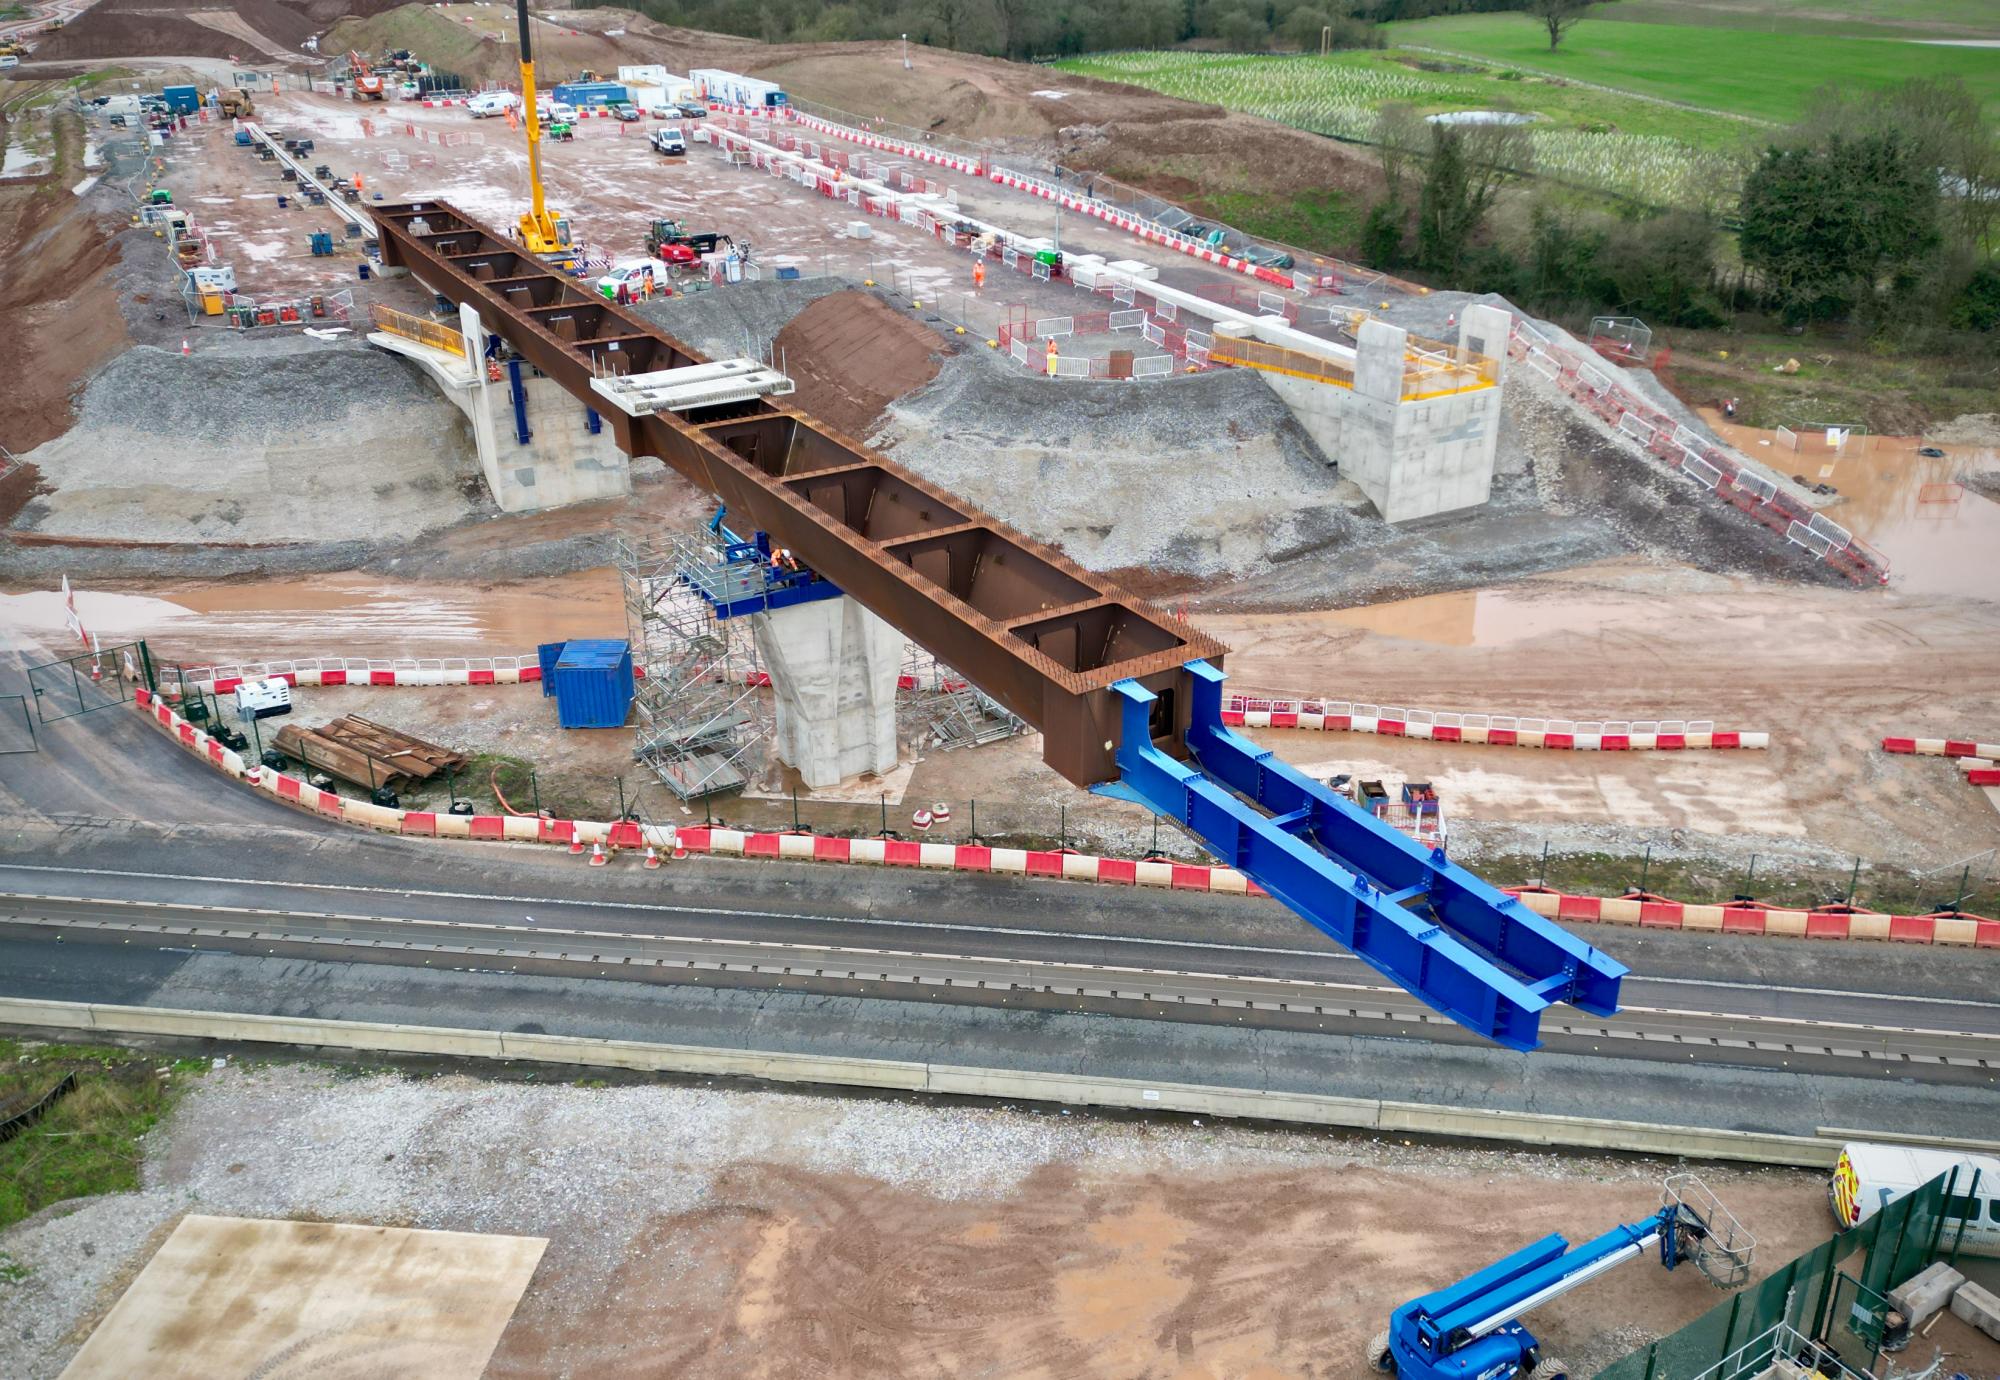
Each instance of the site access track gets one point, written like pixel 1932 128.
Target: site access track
pixel 1128 698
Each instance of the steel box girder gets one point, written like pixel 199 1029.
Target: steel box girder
pixel 1439 932
pixel 968 604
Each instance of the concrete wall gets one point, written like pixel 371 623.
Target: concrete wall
pixel 563 462
pixel 1412 459
pixel 833 670
pixel 1077 1089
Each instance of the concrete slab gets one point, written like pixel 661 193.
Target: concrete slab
pixel 229 1296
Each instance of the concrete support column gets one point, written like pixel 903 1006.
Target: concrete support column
pixel 833 668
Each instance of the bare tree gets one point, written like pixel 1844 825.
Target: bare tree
pixel 1400 136
pixel 1558 16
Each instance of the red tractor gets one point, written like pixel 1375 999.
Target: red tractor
pixel 675 244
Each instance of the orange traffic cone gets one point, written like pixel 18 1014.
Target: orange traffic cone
pixel 597 858
pixel 184 348
pixel 652 857
pixel 679 851
pixel 575 846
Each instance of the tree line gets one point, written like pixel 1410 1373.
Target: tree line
pixel 1060 28
pixel 1879 207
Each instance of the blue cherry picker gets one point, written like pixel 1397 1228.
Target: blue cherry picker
pixel 1471 1330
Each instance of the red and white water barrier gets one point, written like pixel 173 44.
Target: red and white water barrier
pixel 968 857
pixel 651 840
pixel 1654 912
pixel 1667 735
pixel 1979 761
pixel 353 670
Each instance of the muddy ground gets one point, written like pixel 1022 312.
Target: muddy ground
pixel 701 1232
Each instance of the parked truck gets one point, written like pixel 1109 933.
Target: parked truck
pixel 236 103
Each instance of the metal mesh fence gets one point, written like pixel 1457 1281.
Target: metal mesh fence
pixel 1884 1250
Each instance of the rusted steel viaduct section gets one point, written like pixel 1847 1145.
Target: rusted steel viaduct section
pixel 1027 625
pixel 1128 699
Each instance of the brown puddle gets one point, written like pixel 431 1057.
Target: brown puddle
pixel 1940 536
pixel 1488 617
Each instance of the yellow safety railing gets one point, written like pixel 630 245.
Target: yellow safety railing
pixel 1276 359
pixel 1431 368
pixel 432 333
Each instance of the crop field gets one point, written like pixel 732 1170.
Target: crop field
pixel 1766 76
pixel 1603 141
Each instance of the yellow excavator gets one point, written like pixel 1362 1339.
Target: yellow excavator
pixel 544 232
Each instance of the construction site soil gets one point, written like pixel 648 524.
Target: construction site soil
pixel 1175 148
pixel 712 1231
pixel 246 30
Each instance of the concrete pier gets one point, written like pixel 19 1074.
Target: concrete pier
pixel 833 669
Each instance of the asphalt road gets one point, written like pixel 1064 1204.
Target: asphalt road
pixel 111 812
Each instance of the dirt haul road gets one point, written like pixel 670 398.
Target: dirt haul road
pixel 1826 671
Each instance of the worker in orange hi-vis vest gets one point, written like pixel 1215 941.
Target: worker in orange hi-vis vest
pixel 979 276
pixel 357 182
pixel 1054 354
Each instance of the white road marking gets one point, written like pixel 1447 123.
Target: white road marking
pixel 1006 930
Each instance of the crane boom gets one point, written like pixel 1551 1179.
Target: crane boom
pixel 1472 1330
pixel 528 116
pixel 546 233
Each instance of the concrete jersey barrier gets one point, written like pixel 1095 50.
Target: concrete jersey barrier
pixel 1081 1090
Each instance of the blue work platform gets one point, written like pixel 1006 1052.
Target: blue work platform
pixel 1463 947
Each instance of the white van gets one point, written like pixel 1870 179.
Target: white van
pixel 10 60
pixel 492 103
pixel 670 141
pixel 259 699
pixel 1868 1178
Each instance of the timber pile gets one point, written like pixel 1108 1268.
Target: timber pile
pixel 367 753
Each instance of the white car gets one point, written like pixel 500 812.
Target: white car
pixel 492 103
pixel 632 276
pixel 555 111
pixel 670 141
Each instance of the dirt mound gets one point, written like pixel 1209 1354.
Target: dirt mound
pixel 193 28
pixel 58 307
pixel 287 441
pixel 851 355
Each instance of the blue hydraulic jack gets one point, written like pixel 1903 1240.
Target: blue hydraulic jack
pixel 1461 946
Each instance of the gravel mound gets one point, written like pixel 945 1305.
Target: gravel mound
pixel 1197 475
pixel 741 319
pixel 283 445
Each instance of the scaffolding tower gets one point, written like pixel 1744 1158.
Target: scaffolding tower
pixel 701 711
pixel 704 713
pixel 937 707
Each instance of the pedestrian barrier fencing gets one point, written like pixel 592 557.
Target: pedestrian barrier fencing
pixel 1717 473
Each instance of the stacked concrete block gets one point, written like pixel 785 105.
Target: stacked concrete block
pixel 1923 1294
pixel 1978 1307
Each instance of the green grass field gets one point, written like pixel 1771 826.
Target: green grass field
pixel 1767 76
pixel 1851 18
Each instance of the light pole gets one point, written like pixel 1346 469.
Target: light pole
pixel 906 52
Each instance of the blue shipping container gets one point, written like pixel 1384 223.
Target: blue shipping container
pixel 548 654
pixel 182 100
pixel 582 93
pixel 594 683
